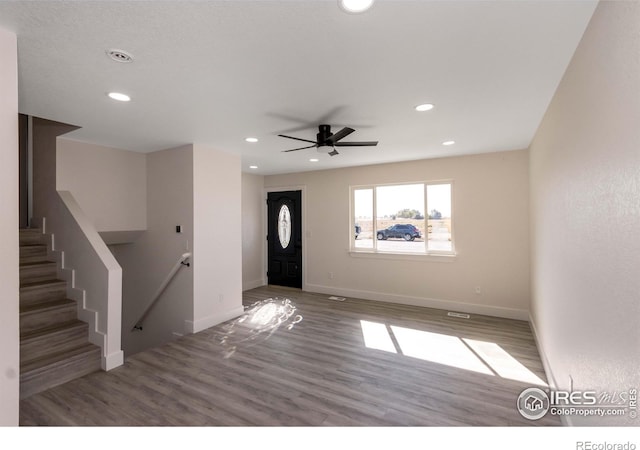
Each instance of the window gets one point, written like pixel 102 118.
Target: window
pixel 284 226
pixel 411 218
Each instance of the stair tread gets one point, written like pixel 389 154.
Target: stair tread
pixel 57 328
pixel 31 251
pixel 57 357
pixel 41 283
pixel 46 306
pixel 26 259
pixel 31 238
pixel 45 262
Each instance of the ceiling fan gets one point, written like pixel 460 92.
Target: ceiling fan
pixel 326 141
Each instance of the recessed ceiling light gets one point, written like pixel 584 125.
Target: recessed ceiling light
pixel 448 142
pixel 314 160
pixel 251 139
pixel 119 55
pixel 424 107
pixel 355 6
pixel 119 96
pixel 253 167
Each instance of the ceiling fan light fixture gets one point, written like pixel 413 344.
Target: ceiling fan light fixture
pixel 253 167
pixel 424 107
pixel 326 141
pixel 251 140
pixel 447 143
pixel 314 160
pixel 326 148
pixel 355 6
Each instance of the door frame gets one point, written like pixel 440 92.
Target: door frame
pixel 265 228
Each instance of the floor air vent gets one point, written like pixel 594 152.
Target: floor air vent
pixel 458 315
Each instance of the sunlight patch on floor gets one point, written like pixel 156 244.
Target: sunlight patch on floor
pixel 478 356
pixel 503 363
pixel 377 337
pixel 438 348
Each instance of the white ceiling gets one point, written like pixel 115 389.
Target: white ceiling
pixel 216 72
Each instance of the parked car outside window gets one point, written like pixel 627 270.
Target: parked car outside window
pixel 358 230
pixel 407 232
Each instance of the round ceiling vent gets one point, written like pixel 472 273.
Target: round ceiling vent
pixel 119 55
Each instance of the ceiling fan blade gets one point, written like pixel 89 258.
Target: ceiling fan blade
pixel 356 144
pixel 334 152
pixel 346 131
pixel 297 139
pixel 296 149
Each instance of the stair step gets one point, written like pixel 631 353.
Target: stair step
pixel 31 236
pixel 55 369
pixel 32 250
pixel 54 347
pixel 52 339
pixel 43 315
pixel 42 291
pixel 34 259
pixel 38 271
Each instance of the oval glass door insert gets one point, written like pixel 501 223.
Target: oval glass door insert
pixel 284 226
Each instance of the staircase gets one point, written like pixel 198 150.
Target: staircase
pixel 54 346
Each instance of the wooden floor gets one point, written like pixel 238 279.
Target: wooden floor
pixel 304 362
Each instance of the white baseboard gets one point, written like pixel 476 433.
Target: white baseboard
pixel 113 360
pixel 469 308
pixel 253 284
pixel 551 379
pixel 213 320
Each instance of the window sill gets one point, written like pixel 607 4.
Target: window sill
pixel 432 257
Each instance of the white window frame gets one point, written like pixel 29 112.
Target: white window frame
pixel 374 251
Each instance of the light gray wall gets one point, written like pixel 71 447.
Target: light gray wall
pixel 198 188
pixel 109 184
pixel 44 139
pixel 9 279
pixel 585 213
pixel 217 250
pixel 147 261
pixel 253 231
pixel 491 226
